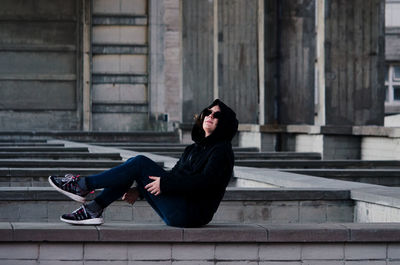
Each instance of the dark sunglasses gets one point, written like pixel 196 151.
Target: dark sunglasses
pixel 208 112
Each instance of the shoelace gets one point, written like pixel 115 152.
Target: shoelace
pixel 79 211
pixel 68 178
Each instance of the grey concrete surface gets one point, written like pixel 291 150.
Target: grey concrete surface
pixel 228 232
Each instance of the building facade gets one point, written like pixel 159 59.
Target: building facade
pixel 127 65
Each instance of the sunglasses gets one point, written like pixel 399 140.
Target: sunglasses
pixel 208 112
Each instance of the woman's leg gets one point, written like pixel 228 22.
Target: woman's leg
pixel 118 180
pixel 119 177
pixel 172 209
pixel 115 182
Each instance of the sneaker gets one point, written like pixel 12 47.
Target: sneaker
pixel 68 185
pixel 82 217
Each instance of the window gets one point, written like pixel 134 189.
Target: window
pixel 392 84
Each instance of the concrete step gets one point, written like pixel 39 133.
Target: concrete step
pixel 141 144
pixel 18 149
pixel 126 233
pixel 28 144
pixel 37 177
pixel 59 155
pixel 304 164
pixel 386 177
pixel 49 163
pixel 173 147
pixel 83 136
pixel 154 149
pixel 240 205
pixel 10 139
pixel 278 155
pixel 239 155
pixel 254 243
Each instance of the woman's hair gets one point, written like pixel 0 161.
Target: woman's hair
pixel 199 118
pixel 226 127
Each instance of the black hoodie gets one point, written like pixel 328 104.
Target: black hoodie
pixel 205 168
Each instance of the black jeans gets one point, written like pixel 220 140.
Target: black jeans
pixel 116 181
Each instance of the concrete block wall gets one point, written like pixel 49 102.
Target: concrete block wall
pixel 330 146
pixel 200 254
pixel 366 212
pixel 358 142
pixel 341 147
pixel 380 148
pixel 376 205
pixel 265 142
pixel 238 211
pixel 35 243
pixel 249 139
pixel 309 143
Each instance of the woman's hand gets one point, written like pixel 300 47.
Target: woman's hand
pixel 154 187
pixel 131 195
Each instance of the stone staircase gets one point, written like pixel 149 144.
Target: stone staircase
pixel 250 221
pixel 241 153
pixel 25 166
pixel 381 172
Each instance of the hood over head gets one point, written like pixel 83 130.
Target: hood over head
pixel 226 128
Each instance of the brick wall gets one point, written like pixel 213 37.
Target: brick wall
pixel 246 211
pixel 201 253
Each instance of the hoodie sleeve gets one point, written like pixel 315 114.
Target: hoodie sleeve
pixel 214 176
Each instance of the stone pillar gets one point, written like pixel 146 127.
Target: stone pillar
pixel 198 56
pixel 220 56
pixel 354 62
pixel 86 74
pixel 289 61
pixel 165 94
pixel 238 57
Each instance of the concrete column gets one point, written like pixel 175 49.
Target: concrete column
pixel 289 61
pixel 261 58
pixel 156 57
pixel 165 94
pixel 354 62
pixel 320 63
pixel 86 40
pixel 199 56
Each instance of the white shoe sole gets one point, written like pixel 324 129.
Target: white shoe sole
pixel 93 221
pixel 69 194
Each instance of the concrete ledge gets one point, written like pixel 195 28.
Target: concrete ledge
pixel 291 180
pixel 281 164
pixel 232 194
pixel 41 163
pixel 382 196
pixel 229 233
pixel 140 136
pixel 240 206
pixel 326 130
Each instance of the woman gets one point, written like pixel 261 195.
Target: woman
pixel 186 196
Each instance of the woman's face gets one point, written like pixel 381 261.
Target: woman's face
pixel 210 122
